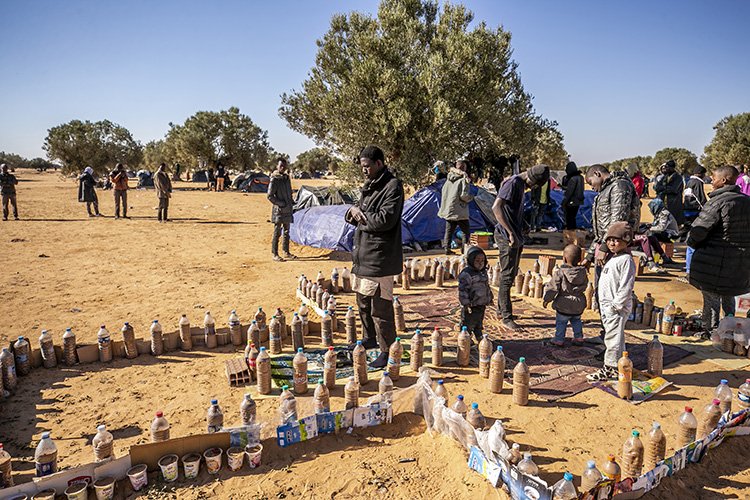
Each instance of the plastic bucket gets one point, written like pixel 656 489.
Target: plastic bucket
pixel 138 476
pixel 77 491
pixel 45 495
pixel 104 488
pixel 191 463
pixel 254 452
pixel 235 458
pixel 170 469
pixel 213 460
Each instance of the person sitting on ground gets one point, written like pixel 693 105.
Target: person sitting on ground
pixel 454 205
pixel 474 291
pixel 87 191
pixel 663 230
pixel 720 266
pixel 567 293
pixel 615 297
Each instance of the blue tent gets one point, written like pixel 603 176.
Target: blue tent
pixel 554 216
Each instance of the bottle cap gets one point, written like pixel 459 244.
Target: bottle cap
pixel 499 348
pixel 45 435
pixel 320 382
pixel 325 313
pixel 611 458
pixel 45 331
pixel 68 329
pixel 248 396
pixel 656 337
pixel 591 464
pixel 656 425
pixel 464 329
pixel 330 348
pixel 296 314
pixel 386 374
pixel 716 402
pixel 723 381
pixel 234 311
pixel 417 332
pixel 440 382
pixel 299 349
pixel 688 409
pixel 527 455
pixel 359 342
pixel 101 428
pixel 20 338
pixel 636 433
pixel 521 360
pixel 214 401
pixel 516 446
pixel 184 315
pixel 284 387
pixel 262 349
pixel 260 309
pixel 159 414
pixel 398 339
pixel 625 354
pixel 253 322
pixel 350 308
pixel 461 397
pixel 568 476
pixel 474 406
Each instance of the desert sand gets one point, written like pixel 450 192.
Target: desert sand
pixel 62 269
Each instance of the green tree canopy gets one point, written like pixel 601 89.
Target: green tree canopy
pixel 420 83
pixel 731 142
pixel 643 162
pixel 101 145
pixel 548 147
pixel 684 159
pixel 316 160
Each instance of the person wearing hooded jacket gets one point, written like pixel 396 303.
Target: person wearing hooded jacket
pixel 474 292
pixel 664 229
pixel 567 293
pixel 87 191
pixel 669 188
pixel 163 187
pixel 573 197
pixel 454 205
pixel 280 195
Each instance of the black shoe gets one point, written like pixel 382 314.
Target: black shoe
pixel 511 325
pixel 367 344
pixel 380 362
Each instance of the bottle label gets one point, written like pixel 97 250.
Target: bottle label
pixel 484 359
pixel 745 398
pixel 214 428
pixel 392 361
pixel 624 377
pixel 45 468
pixel 300 378
pixel 22 358
pixel 104 341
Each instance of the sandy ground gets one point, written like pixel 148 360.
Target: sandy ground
pixel 62 269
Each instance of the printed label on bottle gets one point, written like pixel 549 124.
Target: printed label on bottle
pixel 214 428
pixel 22 358
pixel 745 398
pixel 485 360
pixel 45 468
pixel 104 341
pixel 300 379
pixel 328 366
pixel 392 361
pixel 624 377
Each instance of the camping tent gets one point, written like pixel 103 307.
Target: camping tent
pixel 199 176
pixel 145 179
pixel 311 196
pixel 251 182
pixel 554 216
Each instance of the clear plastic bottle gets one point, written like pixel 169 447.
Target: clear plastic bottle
pixel 299 363
pixel 485 352
pixel 405 279
pixel 656 446
pixel 398 314
pixel 565 489
pixel 157 339
pixel 287 406
pixel 497 370
pixel 320 279
pixel 45 456
pixel 326 330
pixel 319 296
pixel 632 455
pixel 185 337
pixel 724 395
pixel 322 398
pixel 331 308
pixel 395 353
pixel 688 428
pixel 253 333
pixel 248 410
pixel 625 377
pixel 103 444
pixel 260 318
pixel 159 428
pixel 304 316
pixel 8 365
pixel 521 378
pixel 128 338
pixel 527 465
pixel 251 355
pixel 263 369
pixel 518 284
pixel 655 357
pixel 385 388
pixel 710 418
pixel 351 325
pixel 329 368
pixel 214 417
pixel 648 309
pixel 459 406
pixel 209 329
pixel 475 417
pixel 6 469
pixel 611 469
pixel 743 395
pixel 274 333
pixel 464 347
pixel 309 291
pixel 515 455
pixel 359 359
pixel 69 347
pixel 439 274
pixel 298 339
pixel 436 347
pixel 235 328
pixel 589 296
pixel 22 355
pixel 667 320
pixel 590 477
pixel 442 392
pixel 346 280
pixel 351 394
pixel 416 351
pixel 47 346
pixel 335 280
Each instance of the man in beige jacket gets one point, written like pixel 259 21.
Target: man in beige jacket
pixel 163 191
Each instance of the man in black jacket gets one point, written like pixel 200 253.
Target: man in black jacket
pixel 280 195
pixel 720 265
pixel 669 188
pixel 573 197
pixel 8 183
pixel 377 255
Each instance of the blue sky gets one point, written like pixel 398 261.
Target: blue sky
pixel 621 78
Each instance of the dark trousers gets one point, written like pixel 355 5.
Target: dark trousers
pixel 121 197
pixel 95 204
pixel 509 259
pixel 474 320
pixel 537 213
pixel 280 229
pixel 163 208
pixel 378 321
pixel 450 228
pixel 570 217
pixel 9 199
pixel 712 306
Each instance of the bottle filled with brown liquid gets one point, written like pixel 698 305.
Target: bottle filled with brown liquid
pixel 274 329
pixel 648 309
pixel 263 369
pixel 351 325
pixel 485 353
pixel 519 283
pixel 442 392
pixel 322 398
pixel 159 428
pixel 416 351
pixel 521 378
pixel 625 377
pixel 69 348
pixel 464 347
pixel 251 355
pixel 475 417
pixel 326 331
pixel 359 359
pixel 632 455
pixel 248 410
pixel 709 418
pixel 395 353
pixel 497 370
pixel 688 428
pixel 656 446
pixel 253 333
pixel 329 368
pixel 47 346
pixel 299 364
pixel 298 338
pixel 611 469
pixel 235 328
pixel 209 330
pixel 186 340
pixel 398 314
pixel 436 348
pixel 655 357
pixel 157 339
pixel 104 339
pixel 351 394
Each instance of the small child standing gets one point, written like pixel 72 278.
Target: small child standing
pixel 474 291
pixel 615 297
pixel 567 292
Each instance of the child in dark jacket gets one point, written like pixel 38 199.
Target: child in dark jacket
pixel 474 291
pixel 567 292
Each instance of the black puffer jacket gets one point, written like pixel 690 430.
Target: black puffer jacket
pixel 474 284
pixel 617 201
pixel 573 184
pixel 280 194
pixel 377 243
pixel 694 199
pixel 669 189
pixel 720 236
pixel 86 188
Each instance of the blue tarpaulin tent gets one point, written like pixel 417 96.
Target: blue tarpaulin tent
pixel 554 216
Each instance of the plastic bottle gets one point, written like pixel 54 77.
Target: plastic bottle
pixel 47 346
pixel 648 309
pixel 395 353
pixel 611 469
pixel 322 398
pixel 497 370
pixel 235 328
pixel 298 340
pixel 459 406
pixel 157 339
pixel 8 364
pixel 319 296
pixel 186 340
pixel 539 287
pixel 589 296
pixel 309 289
pixel 300 282
pixel 329 368
pixel 565 489
pixel 248 410
pixel 274 333
pixel 416 268
pixel 281 317
pixel 159 428
pixel 320 279
pixel 214 417
pixel 323 302
pixel 590 477
pixel 442 392
pixel 335 280
pixel 667 321
pixel 485 352
pixel 209 329
pixel 655 357
pixel 251 355
pixel 532 286
pixel 385 388
pixel 724 395
pixel 398 314
pixel 436 348
pixel 405 280
pixel 69 347
pixel 103 444
pixel 6 469
pixel 515 455
pixel 346 280
pixel 527 465
pixel 263 369
pixel 351 325
pixel 416 351
pixel 359 360
pixel 536 267
pixel 632 455
pixel 45 456
pixel 287 406
pixel 464 347
pixel 22 356
pixel 625 377
pixel 710 418
pixel 526 283
pixel 260 318
pixel 688 428
pixel 521 383
pixel 496 276
pixel 743 395
pixel 299 380
pixel 351 394
pixel 475 417
pixel 519 283
pixel 326 333
pixel 304 316
pixel 656 446
pixel 439 274
pixel 128 339
pixel 253 333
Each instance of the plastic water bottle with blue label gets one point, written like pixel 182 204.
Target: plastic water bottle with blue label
pixel 45 456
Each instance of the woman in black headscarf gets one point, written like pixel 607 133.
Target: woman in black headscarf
pixel 573 198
